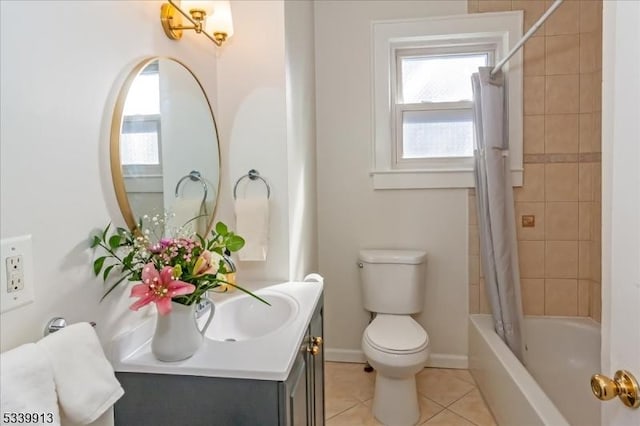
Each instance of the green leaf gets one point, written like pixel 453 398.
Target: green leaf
pixel 95 241
pixel 221 228
pixel 235 243
pixel 113 286
pixel 107 270
pixel 104 233
pixel 97 264
pixel 114 241
pixel 247 291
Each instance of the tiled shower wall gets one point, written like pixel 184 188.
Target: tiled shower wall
pixel 560 256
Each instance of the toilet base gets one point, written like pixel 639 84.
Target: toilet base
pixel 395 402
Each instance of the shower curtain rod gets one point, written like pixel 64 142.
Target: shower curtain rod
pixel 529 33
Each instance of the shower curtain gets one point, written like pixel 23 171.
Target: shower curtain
pixel 496 218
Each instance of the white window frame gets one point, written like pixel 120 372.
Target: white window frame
pixel 497 32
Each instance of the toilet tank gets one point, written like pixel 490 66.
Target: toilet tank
pixel 393 281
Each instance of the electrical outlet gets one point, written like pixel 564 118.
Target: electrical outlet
pixel 16 288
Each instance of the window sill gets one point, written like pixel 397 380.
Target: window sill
pixel 430 179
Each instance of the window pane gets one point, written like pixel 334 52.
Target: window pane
pixel 439 78
pixel 139 148
pixel 444 133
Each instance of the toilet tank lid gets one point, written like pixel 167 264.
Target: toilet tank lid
pixel 407 257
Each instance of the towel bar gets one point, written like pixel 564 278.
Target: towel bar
pixel 195 176
pixel 252 175
pixel 58 323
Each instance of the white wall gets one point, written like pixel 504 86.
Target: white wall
pixel 351 215
pixel 266 118
pixel 62 63
pixel 301 137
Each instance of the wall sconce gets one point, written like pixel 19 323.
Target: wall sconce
pixel 211 18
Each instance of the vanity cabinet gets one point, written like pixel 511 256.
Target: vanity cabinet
pixel 185 400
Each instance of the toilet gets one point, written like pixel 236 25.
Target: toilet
pixel 393 286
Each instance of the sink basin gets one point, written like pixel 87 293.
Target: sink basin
pixel 244 317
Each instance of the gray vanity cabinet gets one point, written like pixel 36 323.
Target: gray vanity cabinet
pixel 175 400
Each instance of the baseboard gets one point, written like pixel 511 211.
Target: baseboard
pixel 435 360
pixel 448 361
pixel 344 355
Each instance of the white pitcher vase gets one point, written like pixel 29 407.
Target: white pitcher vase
pixel 177 334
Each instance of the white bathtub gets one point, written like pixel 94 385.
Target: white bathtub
pixel 554 389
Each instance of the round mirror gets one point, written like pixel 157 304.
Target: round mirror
pixel 164 148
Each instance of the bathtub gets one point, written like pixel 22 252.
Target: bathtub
pixel 554 390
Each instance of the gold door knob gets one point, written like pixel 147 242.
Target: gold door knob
pixel 316 341
pixel 314 350
pixel 623 385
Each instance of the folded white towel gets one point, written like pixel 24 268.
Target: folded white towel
pixel 27 386
pixel 84 378
pixel 252 224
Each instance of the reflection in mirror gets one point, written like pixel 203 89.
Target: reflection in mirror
pixel 164 148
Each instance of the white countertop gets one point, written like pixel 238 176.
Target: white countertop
pixel 269 357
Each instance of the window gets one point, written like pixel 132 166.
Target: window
pixel 423 118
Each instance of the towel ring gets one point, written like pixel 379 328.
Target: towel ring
pixel 195 176
pixel 252 175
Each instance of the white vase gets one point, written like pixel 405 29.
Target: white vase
pixel 177 335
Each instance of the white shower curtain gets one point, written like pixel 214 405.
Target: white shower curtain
pixel 496 218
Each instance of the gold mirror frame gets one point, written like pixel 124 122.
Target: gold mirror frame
pixel 114 148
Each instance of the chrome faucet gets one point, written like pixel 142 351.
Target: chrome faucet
pixel 227 258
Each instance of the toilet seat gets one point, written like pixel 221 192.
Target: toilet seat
pixel 396 334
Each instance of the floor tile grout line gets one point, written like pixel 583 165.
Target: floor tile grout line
pixel 345 410
pixel 459 398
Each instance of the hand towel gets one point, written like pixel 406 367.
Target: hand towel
pixel 27 385
pixel 84 378
pixel 252 224
pixel 189 212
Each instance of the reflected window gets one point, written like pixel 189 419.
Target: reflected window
pixel 140 140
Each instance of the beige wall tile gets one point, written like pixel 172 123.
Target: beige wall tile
pixel 533 188
pixel 597 90
pixel 588 47
pixel 474 270
pixel 534 56
pixel 561 182
pixel 597 182
pixel 485 308
pixel 561 297
pixel 590 19
pixel 584 290
pixel 562 94
pixel 597 133
pixel 472 6
pixel 474 299
pixel 530 233
pixel 562 54
pixel 584 263
pixel 595 300
pixel 596 261
pixel 531 255
pixel 587 92
pixel 534 93
pixel 533 10
pixel 474 241
pixel 586 127
pixel 585 182
pixel 561 259
pixel 534 134
pixel 561 221
pixel 596 221
pixel 532 296
pixel 561 134
pixel 494 5
pixel 584 220
pixel 565 20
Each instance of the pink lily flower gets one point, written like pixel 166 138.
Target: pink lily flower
pixel 207 263
pixel 159 287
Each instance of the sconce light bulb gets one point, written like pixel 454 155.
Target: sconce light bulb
pixel 220 22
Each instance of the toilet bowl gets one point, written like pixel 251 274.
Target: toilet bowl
pixel 394 343
pixel 398 348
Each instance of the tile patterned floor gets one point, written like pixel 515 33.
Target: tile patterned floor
pixel 447 397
